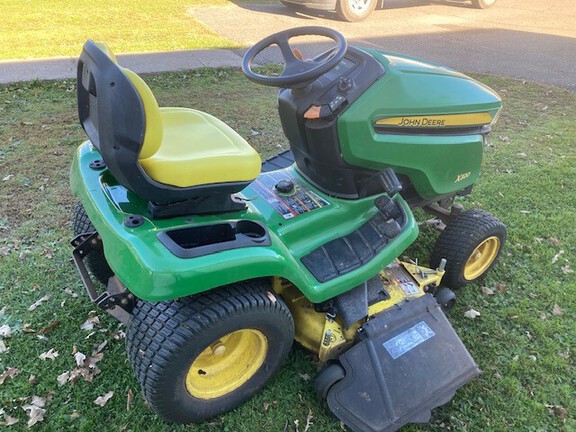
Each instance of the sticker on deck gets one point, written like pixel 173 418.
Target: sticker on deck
pixel 403 279
pixel 301 200
pixel 408 340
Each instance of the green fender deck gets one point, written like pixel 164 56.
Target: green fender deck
pixel 153 273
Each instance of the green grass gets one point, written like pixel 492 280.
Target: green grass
pixel 526 352
pixel 48 28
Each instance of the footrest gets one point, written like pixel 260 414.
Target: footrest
pixel 409 361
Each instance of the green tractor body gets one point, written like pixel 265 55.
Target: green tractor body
pixel 216 278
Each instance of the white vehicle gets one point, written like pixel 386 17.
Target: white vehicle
pixel 356 10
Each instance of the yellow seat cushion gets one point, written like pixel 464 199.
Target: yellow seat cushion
pixel 198 149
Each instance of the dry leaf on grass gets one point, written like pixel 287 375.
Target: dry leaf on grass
pixel 8 373
pixel 129 399
pixel 3 347
pixel 304 376
pixel 8 420
pixel 487 291
pixel 38 302
pixel 309 418
pixel 556 311
pixel 101 400
pixel 471 314
pixel 63 378
pixel 49 327
pixel 558 411
pixel 555 257
pixel 49 355
pixel 5 331
pixel 79 358
pixel 90 323
pixel 35 410
pixel 554 242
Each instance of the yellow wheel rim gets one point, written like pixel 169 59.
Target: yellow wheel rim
pixel 482 258
pixel 226 364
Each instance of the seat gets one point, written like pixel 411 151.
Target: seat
pixel 182 160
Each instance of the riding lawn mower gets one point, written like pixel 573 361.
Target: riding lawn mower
pixel 216 261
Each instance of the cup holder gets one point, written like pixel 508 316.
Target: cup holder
pixel 207 239
pixel 251 229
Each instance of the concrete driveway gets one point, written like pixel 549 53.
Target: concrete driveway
pixel 529 39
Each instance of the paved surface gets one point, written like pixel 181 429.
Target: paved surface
pixel 530 39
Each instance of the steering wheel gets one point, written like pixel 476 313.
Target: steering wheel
pixel 297 72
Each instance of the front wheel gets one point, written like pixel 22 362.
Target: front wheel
pixel 471 243
pixel 483 4
pixel 355 10
pixel 200 356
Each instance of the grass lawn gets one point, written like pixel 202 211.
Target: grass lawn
pixel 524 340
pixel 59 28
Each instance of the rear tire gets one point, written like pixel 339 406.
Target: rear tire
pixel 483 4
pixel 471 244
pixel 355 10
pixel 201 356
pixel 95 260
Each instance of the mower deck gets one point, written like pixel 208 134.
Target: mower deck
pixel 323 245
pixel 408 361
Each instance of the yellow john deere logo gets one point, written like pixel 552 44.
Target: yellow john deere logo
pixel 462 176
pixel 437 121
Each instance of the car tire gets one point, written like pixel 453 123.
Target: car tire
pixel 483 4
pixel 201 356
pixel 355 10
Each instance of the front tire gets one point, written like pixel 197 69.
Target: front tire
pixel 355 10
pixel 201 356
pixel 471 244
pixel 483 4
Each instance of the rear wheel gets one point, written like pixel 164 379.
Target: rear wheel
pixel 355 10
pixel 483 4
pixel 95 260
pixel 201 356
pixel 470 244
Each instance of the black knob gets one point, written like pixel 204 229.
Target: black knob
pixel 285 186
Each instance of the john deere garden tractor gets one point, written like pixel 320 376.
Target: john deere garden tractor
pixel 217 262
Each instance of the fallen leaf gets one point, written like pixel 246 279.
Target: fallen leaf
pixel 487 291
pixel 99 347
pixel 70 293
pixel 5 331
pixel 271 296
pixel 304 376
pixel 309 418
pixel 63 378
pixel 90 323
pixel 119 335
pixel 471 314
pixel 555 258
pixel 554 241
pixel 49 355
pixel 38 302
pixel 35 414
pixel 129 399
pixel 532 357
pixel 3 347
pixel 32 380
pixel 500 287
pixel 101 400
pixel 556 311
pixel 49 327
pixel 8 373
pixel 567 270
pixel 79 358
pixel 558 411
pixel 75 414
pixel 8 177
pixel 8 420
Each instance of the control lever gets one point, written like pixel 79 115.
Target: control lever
pixel 390 182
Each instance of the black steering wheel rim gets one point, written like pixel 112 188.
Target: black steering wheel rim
pixel 297 73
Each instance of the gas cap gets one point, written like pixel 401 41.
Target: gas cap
pixel 285 186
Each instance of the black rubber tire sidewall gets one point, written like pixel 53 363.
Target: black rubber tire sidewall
pixel 459 239
pixel 184 328
pixel 95 260
pixel 347 14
